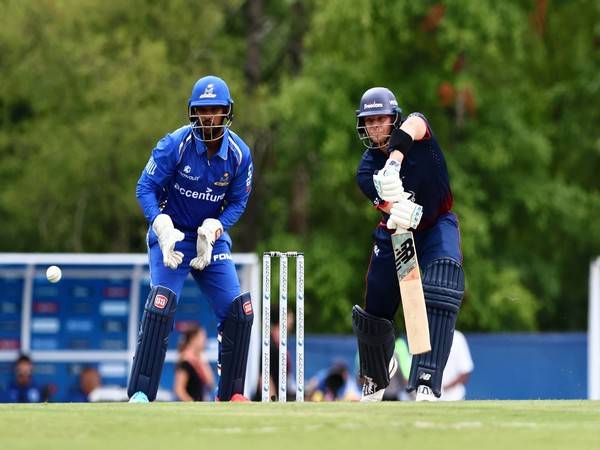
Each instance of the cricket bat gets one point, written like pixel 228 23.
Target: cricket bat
pixel 411 290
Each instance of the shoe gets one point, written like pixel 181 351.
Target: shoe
pixel 238 398
pixel 370 393
pixel 139 397
pixel 425 394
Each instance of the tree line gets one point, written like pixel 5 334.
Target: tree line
pixel 511 90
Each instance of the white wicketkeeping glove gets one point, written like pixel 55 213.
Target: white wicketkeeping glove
pixel 168 235
pixel 208 233
pixel 387 182
pixel 405 214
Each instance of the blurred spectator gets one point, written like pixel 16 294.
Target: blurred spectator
pixel 458 369
pixel 333 384
pixel 23 389
pixel 194 378
pixel 89 379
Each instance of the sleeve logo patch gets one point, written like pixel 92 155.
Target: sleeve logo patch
pixel 247 308
pixel 160 301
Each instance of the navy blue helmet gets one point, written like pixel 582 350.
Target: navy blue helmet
pixel 377 101
pixel 210 91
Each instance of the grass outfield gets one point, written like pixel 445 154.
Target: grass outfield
pixel 176 426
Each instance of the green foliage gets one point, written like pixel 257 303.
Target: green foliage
pixel 511 91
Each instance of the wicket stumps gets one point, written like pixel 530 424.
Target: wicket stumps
pixel 266 325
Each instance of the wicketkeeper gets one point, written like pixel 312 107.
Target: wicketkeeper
pixel 194 188
pixel 404 167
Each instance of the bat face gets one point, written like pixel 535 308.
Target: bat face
pixel 411 291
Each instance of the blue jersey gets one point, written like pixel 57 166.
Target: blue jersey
pixel 424 175
pixel 179 180
pixel 22 394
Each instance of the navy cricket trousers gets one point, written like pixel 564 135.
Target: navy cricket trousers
pixel 382 296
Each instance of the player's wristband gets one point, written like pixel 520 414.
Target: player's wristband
pixel 400 140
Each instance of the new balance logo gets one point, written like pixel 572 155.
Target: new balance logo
pixel 406 252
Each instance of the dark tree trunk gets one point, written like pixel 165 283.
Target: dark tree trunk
pixel 254 17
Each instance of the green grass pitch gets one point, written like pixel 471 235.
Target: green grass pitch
pixel 505 425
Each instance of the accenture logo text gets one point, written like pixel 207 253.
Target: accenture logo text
pixel 372 105
pixel 207 196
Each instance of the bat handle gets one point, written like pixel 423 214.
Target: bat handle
pixel 399 231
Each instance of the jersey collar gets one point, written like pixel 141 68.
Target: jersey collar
pixel 223 149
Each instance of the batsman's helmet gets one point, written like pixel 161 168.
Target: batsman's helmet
pixel 210 91
pixel 377 101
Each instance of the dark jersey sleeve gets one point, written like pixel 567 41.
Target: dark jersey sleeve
pixel 425 175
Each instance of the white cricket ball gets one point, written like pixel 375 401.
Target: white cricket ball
pixel 54 274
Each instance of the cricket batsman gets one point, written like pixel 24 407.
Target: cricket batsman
pixel 194 187
pixel 403 173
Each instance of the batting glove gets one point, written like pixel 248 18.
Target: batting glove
pixel 405 214
pixel 387 182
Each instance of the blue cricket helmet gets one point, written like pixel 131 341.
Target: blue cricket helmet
pixel 377 101
pixel 210 91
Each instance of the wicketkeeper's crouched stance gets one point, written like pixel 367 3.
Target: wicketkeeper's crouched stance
pixel 194 187
pixel 414 195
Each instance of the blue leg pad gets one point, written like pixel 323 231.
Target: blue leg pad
pixel 152 341
pixel 233 350
pixel 443 286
